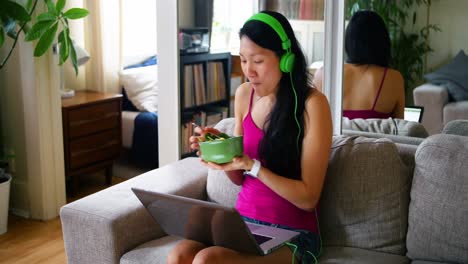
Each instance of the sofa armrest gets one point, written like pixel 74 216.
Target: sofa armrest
pixel 433 98
pixel 101 227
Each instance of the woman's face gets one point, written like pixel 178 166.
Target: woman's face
pixel 260 66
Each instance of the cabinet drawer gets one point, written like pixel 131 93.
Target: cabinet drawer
pixel 94 118
pixel 95 148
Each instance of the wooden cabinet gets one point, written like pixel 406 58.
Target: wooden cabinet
pixel 205 83
pixel 91 134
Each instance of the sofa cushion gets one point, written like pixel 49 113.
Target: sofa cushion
pixel 426 262
pixel 220 189
pixel 438 212
pixel 218 186
pixel 365 198
pixel 394 138
pixel 453 76
pixel 393 126
pixel 348 255
pixel 455 110
pixel 154 251
pixel 456 127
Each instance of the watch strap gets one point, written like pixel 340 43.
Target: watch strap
pixel 255 169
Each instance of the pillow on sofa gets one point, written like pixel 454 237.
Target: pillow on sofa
pixel 219 187
pixel 438 212
pixel 392 126
pixel 456 127
pixel 365 199
pixel 141 86
pixel 453 76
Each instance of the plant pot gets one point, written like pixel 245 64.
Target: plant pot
pixel 4 200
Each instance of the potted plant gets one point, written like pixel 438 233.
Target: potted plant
pixel 5 180
pixel 48 27
pixel 409 49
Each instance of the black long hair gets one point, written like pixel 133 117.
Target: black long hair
pixel 279 147
pixel 367 40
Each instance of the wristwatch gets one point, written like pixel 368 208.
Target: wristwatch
pixel 255 169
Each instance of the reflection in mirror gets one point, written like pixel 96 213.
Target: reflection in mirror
pixel 227 17
pixel 423 38
pixel 306 20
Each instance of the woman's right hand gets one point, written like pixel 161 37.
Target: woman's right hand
pixel 194 140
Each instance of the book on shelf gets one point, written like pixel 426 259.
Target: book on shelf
pixel 188 86
pixel 186 132
pixel 204 93
pixel 199 84
pixel 214 114
pixel 216 81
pixel 236 81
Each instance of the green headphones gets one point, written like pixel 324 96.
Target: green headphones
pixel 287 60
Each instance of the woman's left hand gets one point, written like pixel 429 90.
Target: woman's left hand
pixel 237 163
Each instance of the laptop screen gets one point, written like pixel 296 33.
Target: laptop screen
pixel 414 113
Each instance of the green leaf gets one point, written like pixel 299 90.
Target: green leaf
pixel 73 55
pixel 2 36
pixel 45 41
pixel 63 46
pixel 16 11
pixel 60 6
pixel 29 4
pixel 26 28
pixel 46 17
pixel 50 6
pixel 76 13
pixel 39 29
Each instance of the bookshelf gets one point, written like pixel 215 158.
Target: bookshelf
pixel 205 84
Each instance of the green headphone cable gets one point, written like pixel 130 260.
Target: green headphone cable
pixel 294 251
pixel 295 111
pixel 319 233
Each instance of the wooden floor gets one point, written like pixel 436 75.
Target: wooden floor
pixel 30 241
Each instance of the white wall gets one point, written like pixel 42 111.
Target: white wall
pixel 168 81
pixel 451 16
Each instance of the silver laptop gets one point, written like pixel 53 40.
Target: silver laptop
pixel 414 113
pixel 211 223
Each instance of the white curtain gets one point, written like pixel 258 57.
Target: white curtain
pixel 100 34
pixel 103 38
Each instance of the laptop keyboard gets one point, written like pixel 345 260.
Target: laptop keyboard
pixel 261 239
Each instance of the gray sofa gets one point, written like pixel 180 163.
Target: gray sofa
pixel 438 110
pixel 382 202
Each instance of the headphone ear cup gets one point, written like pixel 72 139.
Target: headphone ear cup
pixel 287 62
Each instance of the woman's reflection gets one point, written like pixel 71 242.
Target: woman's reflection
pixel 370 88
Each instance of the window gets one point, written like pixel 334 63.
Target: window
pixel 228 18
pixel 138 30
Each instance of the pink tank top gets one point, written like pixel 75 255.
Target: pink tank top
pixel 258 201
pixel 352 114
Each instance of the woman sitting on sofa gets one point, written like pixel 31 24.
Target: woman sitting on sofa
pixel 370 88
pixel 287 132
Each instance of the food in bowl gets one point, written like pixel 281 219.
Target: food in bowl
pixel 220 148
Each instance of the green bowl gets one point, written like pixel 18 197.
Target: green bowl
pixel 222 151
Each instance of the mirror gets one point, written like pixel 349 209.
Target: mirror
pixel 307 21
pixel 446 44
